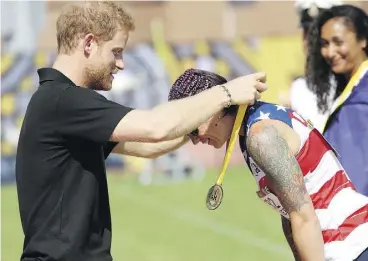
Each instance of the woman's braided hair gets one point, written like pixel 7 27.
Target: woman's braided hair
pixel 194 81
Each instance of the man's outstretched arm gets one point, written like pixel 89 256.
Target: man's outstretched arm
pixel 268 147
pixel 177 118
pixel 149 150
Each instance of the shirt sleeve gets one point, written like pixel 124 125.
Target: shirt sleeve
pixel 108 147
pixel 268 111
pixel 86 114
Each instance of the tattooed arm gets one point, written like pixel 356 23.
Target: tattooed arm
pixel 270 149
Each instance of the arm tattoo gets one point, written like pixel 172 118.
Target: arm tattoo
pixel 286 227
pixel 271 153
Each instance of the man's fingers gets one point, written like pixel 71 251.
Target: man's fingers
pixel 260 76
pixel 261 87
pixel 257 96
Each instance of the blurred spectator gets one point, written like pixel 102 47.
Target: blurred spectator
pixel 302 99
pixel 338 48
pixel 21 21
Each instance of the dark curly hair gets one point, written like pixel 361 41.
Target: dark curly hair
pixel 194 81
pixel 318 71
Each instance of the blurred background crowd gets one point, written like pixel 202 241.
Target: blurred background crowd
pixel 230 38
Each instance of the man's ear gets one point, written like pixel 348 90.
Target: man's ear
pixel 88 42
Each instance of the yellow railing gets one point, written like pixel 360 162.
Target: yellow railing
pixel 6 62
pixel 164 50
pixel 280 56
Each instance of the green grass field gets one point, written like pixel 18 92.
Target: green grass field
pixel 172 223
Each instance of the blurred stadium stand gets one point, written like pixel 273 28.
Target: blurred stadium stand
pixel 229 37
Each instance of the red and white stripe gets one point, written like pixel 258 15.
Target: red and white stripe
pixel 342 212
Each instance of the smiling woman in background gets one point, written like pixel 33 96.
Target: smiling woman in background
pixel 302 99
pixel 338 48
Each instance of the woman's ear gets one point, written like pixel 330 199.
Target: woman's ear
pixel 363 44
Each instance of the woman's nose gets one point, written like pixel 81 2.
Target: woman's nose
pixel 331 52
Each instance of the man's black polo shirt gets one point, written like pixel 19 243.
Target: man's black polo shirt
pixel 60 171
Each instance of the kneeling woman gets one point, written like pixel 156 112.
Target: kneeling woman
pixel 297 173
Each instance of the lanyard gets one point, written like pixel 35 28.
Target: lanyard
pixel 354 80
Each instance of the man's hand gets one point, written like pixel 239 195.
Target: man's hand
pixel 247 89
pixel 267 144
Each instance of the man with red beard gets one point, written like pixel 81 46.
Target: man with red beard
pixel 69 129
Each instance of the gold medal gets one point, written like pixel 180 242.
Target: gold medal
pixel 215 193
pixel 214 197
